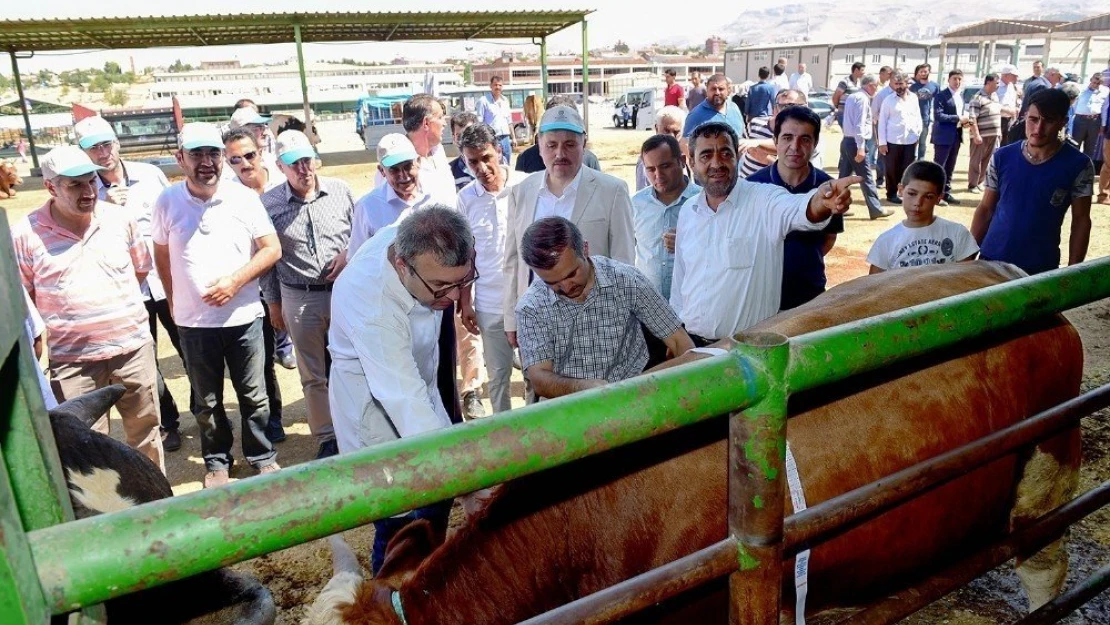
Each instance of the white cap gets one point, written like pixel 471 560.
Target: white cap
pixel 395 148
pixel 247 115
pixel 1007 69
pixel 67 160
pixel 293 145
pixel 562 118
pixel 200 135
pixel 93 130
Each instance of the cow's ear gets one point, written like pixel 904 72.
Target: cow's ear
pixel 406 551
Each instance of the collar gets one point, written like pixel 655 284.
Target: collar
pixel 689 191
pixel 47 220
pixel 483 191
pixel 395 599
pixel 811 179
pixel 391 196
pixel 127 180
pixel 320 192
pixel 570 188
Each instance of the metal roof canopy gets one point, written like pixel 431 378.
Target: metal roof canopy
pixel 1099 25
pixel 113 33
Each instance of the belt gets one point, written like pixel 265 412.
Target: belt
pixel 1089 116
pixel 700 341
pixel 308 287
pixel 502 136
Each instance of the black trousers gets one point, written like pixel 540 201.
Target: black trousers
pixel 898 158
pixel 159 312
pixel 945 156
pixel 446 378
pixel 273 391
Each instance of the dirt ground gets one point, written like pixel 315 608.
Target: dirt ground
pixel 296 575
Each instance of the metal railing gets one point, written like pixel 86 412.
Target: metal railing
pixel 174 538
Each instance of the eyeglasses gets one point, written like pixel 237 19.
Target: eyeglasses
pixel 102 146
pixel 439 293
pixel 249 156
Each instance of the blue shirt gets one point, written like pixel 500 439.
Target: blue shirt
pixel 704 113
pixel 1032 202
pixel 803 263
pixel 925 94
pixel 761 100
pixel 651 218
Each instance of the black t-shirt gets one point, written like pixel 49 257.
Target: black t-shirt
pixel 530 161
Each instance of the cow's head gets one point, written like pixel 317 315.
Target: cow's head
pixel 89 407
pixel 9 178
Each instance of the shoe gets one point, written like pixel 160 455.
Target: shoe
pixel 975 190
pixel 951 200
pixel 848 214
pixel 516 360
pixel 273 467
pixel 171 440
pixel 895 200
pixel 275 433
pixel 219 477
pixel 942 202
pixel 472 406
pixel 328 449
pixel 287 360
pixel 886 212
pixel 1102 197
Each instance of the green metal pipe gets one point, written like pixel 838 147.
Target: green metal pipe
pixel 543 68
pixel 837 353
pixel 585 77
pixel 23 110
pixel 304 83
pixel 182 536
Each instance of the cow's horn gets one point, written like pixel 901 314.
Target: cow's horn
pixel 89 407
pixel 343 560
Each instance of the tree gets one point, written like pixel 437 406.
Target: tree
pixel 111 67
pixel 178 66
pixel 45 77
pixel 64 92
pixel 101 84
pixel 620 47
pixel 5 83
pixel 116 97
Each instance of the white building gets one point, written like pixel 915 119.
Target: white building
pixel 564 74
pixel 828 63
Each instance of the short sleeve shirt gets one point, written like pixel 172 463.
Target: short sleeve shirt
pixel 939 243
pixel 674 95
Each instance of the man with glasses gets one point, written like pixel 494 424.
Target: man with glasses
pixel 249 165
pixel 399 195
pixel 212 241
pixel 135 186
pixel 387 311
pixel 312 216
pixel 580 320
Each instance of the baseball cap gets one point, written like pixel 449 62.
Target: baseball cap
pixel 247 115
pixel 200 135
pixel 67 160
pixel 562 118
pixel 93 130
pixel 1007 69
pixel 395 148
pixel 293 145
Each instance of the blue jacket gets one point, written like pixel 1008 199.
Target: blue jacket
pixel 761 100
pixel 946 122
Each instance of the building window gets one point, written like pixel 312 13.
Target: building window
pixel 849 58
pixel 903 58
pixel 973 58
pixel 816 58
pixel 789 54
pixel 876 58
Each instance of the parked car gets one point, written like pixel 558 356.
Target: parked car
pixel 821 103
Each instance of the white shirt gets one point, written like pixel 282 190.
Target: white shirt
pixel 497 113
pixel 877 101
pixel 728 263
pixel 384 350
pixel 900 120
pixel 1090 102
pixel 958 100
pixel 940 242
pixel 1007 96
pixel 801 82
pixel 488 217
pixel 144 183
pixel 378 209
pixel 781 82
pixel 269 161
pixel 550 205
pixel 435 178
pixel 209 240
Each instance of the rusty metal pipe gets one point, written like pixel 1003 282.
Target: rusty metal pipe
pixel 1028 539
pixel 1071 600
pixel 836 516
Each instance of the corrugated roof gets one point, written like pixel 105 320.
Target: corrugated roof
pixel 1003 28
pixel 1097 24
pixel 261 28
pixel 849 43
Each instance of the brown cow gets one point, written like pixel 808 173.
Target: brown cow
pixel 551 538
pixel 533 110
pixel 9 179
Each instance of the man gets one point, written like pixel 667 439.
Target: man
pixel 312 216
pixel 729 246
pixel 398 164
pixel 984 114
pixel 759 148
pixel 266 139
pixel 797 129
pixel 673 93
pixel 925 90
pixel 485 204
pixel 1008 98
pixel 423 118
pixel 761 96
pixel 597 203
pixel 801 80
pixel 948 110
pixel 247 162
pixel 1104 174
pixel 248 118
pixel 885 72
pixel 212 241
pixel 81 262
pixel 134 186
pixel 1088 116
pixel 529 161
pixel 779 79
pixel 899 129
pixel 580 320
pixel 1030 186
pixel 387 314
pixel 459 122
pixel 858 135
pixel 845 88
pixel 883 92
pixel 655 209
pixel 696 95
pixel 495 110
pixel 1039 80
pixel 669 121
pixel 716 107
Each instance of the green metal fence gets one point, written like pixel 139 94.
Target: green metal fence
pixel 49 566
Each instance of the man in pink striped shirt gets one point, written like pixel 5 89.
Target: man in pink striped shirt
pixel 81 264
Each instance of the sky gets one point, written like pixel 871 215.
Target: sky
pixel 611 21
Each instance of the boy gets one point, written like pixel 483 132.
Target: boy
pixel 922 239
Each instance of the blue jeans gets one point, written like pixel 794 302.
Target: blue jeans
pixel 386 529
pixel 506 148
pixel 924 140
pixel 206 351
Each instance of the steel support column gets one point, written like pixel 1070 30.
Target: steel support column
pixel 543 66
pixel 585 77
pixel 942 59
pixel 1086 60
pixel 304 85
pixel 23 109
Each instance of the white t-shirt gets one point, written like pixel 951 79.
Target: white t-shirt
pixel 941 242
pixel 209 240
pixel 489 221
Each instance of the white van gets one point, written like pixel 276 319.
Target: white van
pixel 637 107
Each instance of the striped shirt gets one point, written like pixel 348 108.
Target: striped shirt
pixel 986 111
pixel 85 287
pixel 312 233
pixel 760 128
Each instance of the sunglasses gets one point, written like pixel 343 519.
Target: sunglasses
pixel 439 293
pixel 249 156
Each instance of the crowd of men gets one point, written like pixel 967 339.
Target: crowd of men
pixel 448 271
